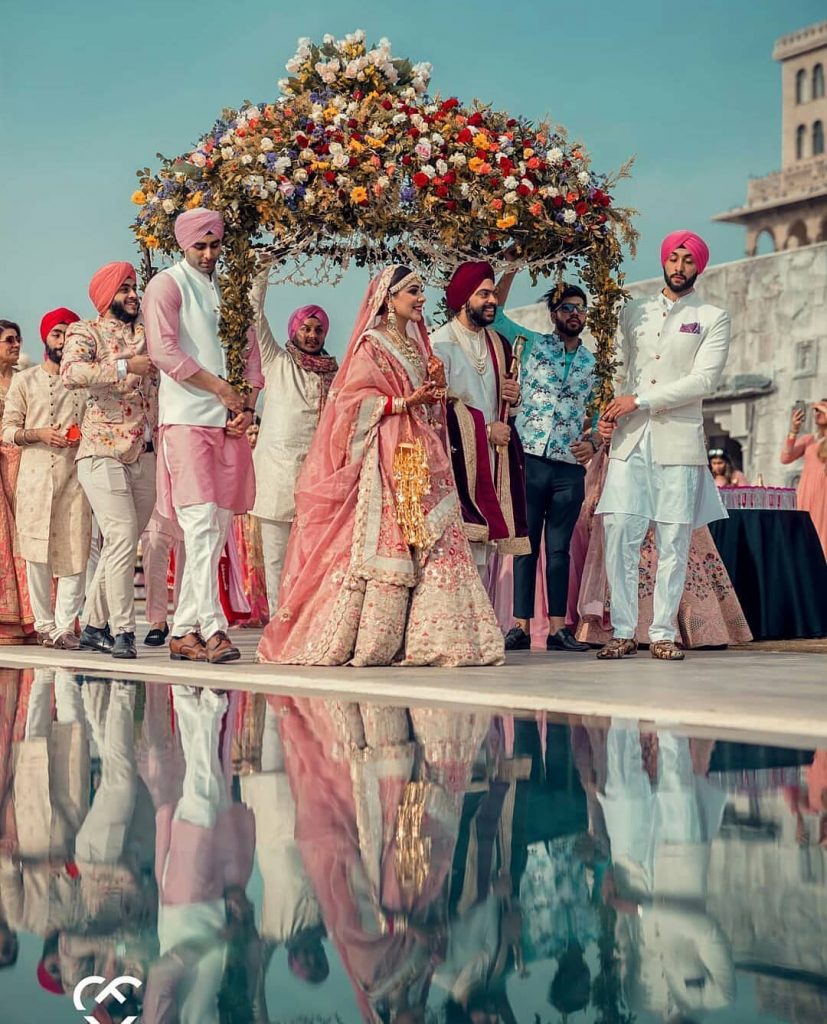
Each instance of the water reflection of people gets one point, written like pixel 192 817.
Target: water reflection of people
pixel 378 795
pixel 204 851
pixel 290 912
pixel 662 815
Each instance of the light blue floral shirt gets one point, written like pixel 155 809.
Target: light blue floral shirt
pixel 556 392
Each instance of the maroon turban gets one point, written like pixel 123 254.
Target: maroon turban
pixel 465 281
pixel 298 317
pixel 190 227
pixel 688 240
pixel 62 315
pixel 106 281
pixel 47 982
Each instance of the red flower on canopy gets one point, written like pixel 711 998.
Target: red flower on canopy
pixel 581 208
pixel 421 179
pixel 465 135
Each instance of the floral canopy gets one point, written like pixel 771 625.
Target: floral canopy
pixel 354 161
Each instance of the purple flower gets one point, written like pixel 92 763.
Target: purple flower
pixel 406 193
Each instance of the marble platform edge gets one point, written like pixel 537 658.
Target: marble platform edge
pixel 791 719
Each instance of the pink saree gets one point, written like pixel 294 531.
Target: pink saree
pixel 352 590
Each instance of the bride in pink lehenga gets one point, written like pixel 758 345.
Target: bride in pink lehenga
pixel 353 590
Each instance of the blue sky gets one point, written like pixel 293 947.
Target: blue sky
pixel 90 91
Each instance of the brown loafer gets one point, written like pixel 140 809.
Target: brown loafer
pixel 666 650
pixel 219 649
pixel 44 640
pixel 616 648
pixel 67 642
pixel 189 647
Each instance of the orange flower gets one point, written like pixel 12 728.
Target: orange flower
pixel 475 165
pixel 359 195
pixel 138 197
pixel 496 204
pixel 503 223
pixel 527 152
pixel 480 142
pixel 570 197
pixel 535 209
pixel 533 163
pixel 151 242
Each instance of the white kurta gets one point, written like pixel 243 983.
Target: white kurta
pixel 292 399
pixel 453 343
pixel 53 520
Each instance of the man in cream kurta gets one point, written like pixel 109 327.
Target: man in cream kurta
pixel 53 523
pixel 296 381
pixel 472 377
pixel 673 349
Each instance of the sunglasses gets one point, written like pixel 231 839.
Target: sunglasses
pixel 716 453
pixel 570 307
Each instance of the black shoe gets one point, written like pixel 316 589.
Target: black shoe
pixel 565 640
pixel 124 646
pixel 157 637
pixel 94 638
pixel 516 639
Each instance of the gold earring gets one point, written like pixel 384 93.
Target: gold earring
pixel 391 318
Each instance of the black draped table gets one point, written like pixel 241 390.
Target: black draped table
pixel 777 567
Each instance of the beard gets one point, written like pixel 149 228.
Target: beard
pixel 483 316
pixel 120 312
pixel 569 332
pixel 688 284
pixel 54 355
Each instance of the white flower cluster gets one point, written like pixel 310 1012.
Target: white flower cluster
pixel 342 62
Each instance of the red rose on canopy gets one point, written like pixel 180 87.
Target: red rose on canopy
pixel 465 135
pixel 475 119
pixel 581 208
pixel 524 190
pixel 421 179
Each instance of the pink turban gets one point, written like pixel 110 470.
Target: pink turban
pixel 298 316
pixel 689 240
pixel 465 281
pixel 62 315
pixel 106 281
pixel 190 227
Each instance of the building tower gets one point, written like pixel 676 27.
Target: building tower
pixel 789 206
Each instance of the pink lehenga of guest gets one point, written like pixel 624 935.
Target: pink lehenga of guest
pixel 353 591
pixel 710 614
pixel 16 618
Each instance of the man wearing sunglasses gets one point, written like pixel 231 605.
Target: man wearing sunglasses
pixel 558 381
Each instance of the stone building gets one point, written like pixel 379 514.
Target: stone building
pixel 788 208
pixel 778 301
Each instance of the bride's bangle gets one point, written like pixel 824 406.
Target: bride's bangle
pixel 400 405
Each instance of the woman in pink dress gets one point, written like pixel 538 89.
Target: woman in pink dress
pixel 723 472
pixel 812 487
pixel 16 619
pixel 354 590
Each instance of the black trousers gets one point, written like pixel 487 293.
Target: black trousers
pixel 554 495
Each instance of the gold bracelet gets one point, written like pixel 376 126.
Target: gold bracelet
pixel 791 436
pixel 400 405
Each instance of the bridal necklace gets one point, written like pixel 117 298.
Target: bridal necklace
pixel 406 345
pixel 473 344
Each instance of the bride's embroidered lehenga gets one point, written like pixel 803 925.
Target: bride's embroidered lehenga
pixel 16 619
pixel 352 589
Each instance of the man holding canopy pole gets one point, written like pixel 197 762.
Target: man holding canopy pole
pixel 483 390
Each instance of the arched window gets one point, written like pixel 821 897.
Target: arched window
pixel 800 86
pixel 800 136
pixel 818 138
pixel 818 82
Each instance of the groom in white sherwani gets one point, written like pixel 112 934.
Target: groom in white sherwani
pixel 672 352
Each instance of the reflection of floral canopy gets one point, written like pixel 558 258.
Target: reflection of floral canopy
pixel 355 162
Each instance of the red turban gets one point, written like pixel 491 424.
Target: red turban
pixel 298 316
pixel 62 315
pixel 47 982
pixel 688 240
pixel 190 227
pixel 105 283
pixel 465 281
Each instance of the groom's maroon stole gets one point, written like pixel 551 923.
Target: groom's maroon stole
pixel 493 504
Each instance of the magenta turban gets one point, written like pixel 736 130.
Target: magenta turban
pixel 106 281
pixel 298 317
pixel 465 281
pixel 689 240
pixel 61 315
pixel 190 227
